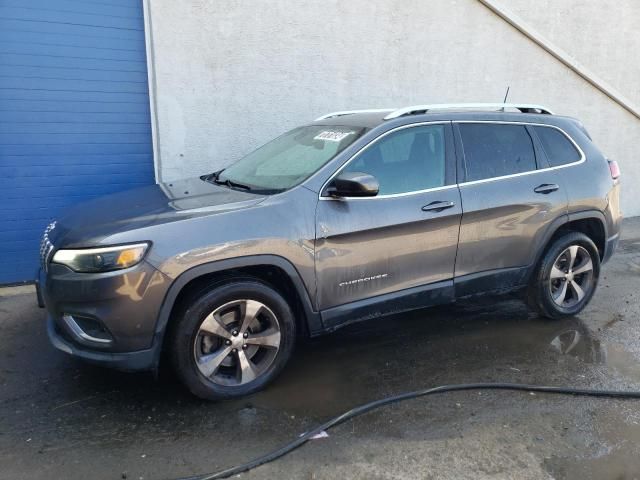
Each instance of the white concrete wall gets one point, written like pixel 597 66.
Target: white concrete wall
pixel 231 75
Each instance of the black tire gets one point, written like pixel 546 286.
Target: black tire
pixel 187 338
pixel 540 294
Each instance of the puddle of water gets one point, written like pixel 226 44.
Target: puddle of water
pixel 615 457
pixel 470 342
pixel 623 362
pixel 486 340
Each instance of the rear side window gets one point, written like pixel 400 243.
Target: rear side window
pixel 559 149
pixel 495 150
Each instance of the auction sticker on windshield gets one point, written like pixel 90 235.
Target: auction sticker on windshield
pixel 332 136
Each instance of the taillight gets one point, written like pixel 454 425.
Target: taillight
pixel 614 169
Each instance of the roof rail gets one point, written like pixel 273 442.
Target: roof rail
pixel 349 112
pixel 524 108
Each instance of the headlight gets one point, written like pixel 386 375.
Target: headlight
pixel 103 259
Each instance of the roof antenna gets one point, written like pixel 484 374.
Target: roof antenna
pixel 506 95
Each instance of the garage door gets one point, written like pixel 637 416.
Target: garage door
pixel 74 115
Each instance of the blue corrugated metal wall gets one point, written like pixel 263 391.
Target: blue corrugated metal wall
pixel 74 114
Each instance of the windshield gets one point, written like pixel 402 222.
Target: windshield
pixel 289 159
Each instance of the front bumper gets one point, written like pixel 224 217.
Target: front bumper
pixel 128 361
pixel 107 318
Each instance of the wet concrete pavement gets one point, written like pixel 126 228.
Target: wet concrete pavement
pixel 60 418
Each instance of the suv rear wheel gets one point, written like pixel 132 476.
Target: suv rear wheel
pixel 566 277
pixel 233 339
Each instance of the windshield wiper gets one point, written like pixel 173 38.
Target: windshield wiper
pixel 215 176
pixel 211 176
pixel 231 184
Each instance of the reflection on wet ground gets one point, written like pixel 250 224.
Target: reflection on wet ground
pixel 429 347
pixel 65 405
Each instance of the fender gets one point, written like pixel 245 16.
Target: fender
pixel 597 214
pixel 313 319
pixel 561 221
pixel 553 227
pixel 608 246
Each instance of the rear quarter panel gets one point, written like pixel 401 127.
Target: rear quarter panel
pixel 589 185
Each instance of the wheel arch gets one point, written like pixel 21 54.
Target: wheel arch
pixel 273 270
pixel 590 222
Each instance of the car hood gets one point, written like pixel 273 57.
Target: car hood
pixel 92 221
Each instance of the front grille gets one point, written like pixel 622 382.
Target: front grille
pixel 46 247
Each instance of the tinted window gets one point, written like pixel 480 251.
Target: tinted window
pixel 494 150
pixel 405 161
pixel 557 146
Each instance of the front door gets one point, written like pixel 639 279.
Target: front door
pixel 402 239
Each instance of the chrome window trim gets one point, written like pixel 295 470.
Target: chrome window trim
pixel 393 195
pixel 530 172
pixel 460 184
pixel 375 140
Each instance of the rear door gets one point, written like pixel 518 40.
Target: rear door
pixel 399 239
pixel 510 196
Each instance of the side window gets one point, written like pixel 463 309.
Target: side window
pixel 557 146
pixel 409 160
pixel 495 150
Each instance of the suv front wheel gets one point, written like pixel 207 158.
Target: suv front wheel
pixel 566 277
pixel 233 339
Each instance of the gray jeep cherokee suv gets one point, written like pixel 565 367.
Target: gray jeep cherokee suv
pixel 356 215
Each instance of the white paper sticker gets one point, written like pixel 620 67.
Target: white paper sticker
pixel 332 136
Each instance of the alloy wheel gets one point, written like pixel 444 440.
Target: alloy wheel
pixel 571 278
pixel 237 342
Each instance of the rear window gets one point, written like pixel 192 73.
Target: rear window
pixel 559 149
pixel 496 150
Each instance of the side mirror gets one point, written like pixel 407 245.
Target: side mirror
pixel 353 184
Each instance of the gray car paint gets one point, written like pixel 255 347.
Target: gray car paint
pixel 149 207
pixel 505 219
pixel 194 225
pixel 389 242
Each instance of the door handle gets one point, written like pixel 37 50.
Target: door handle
pixel 437 206
pixel 546 188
